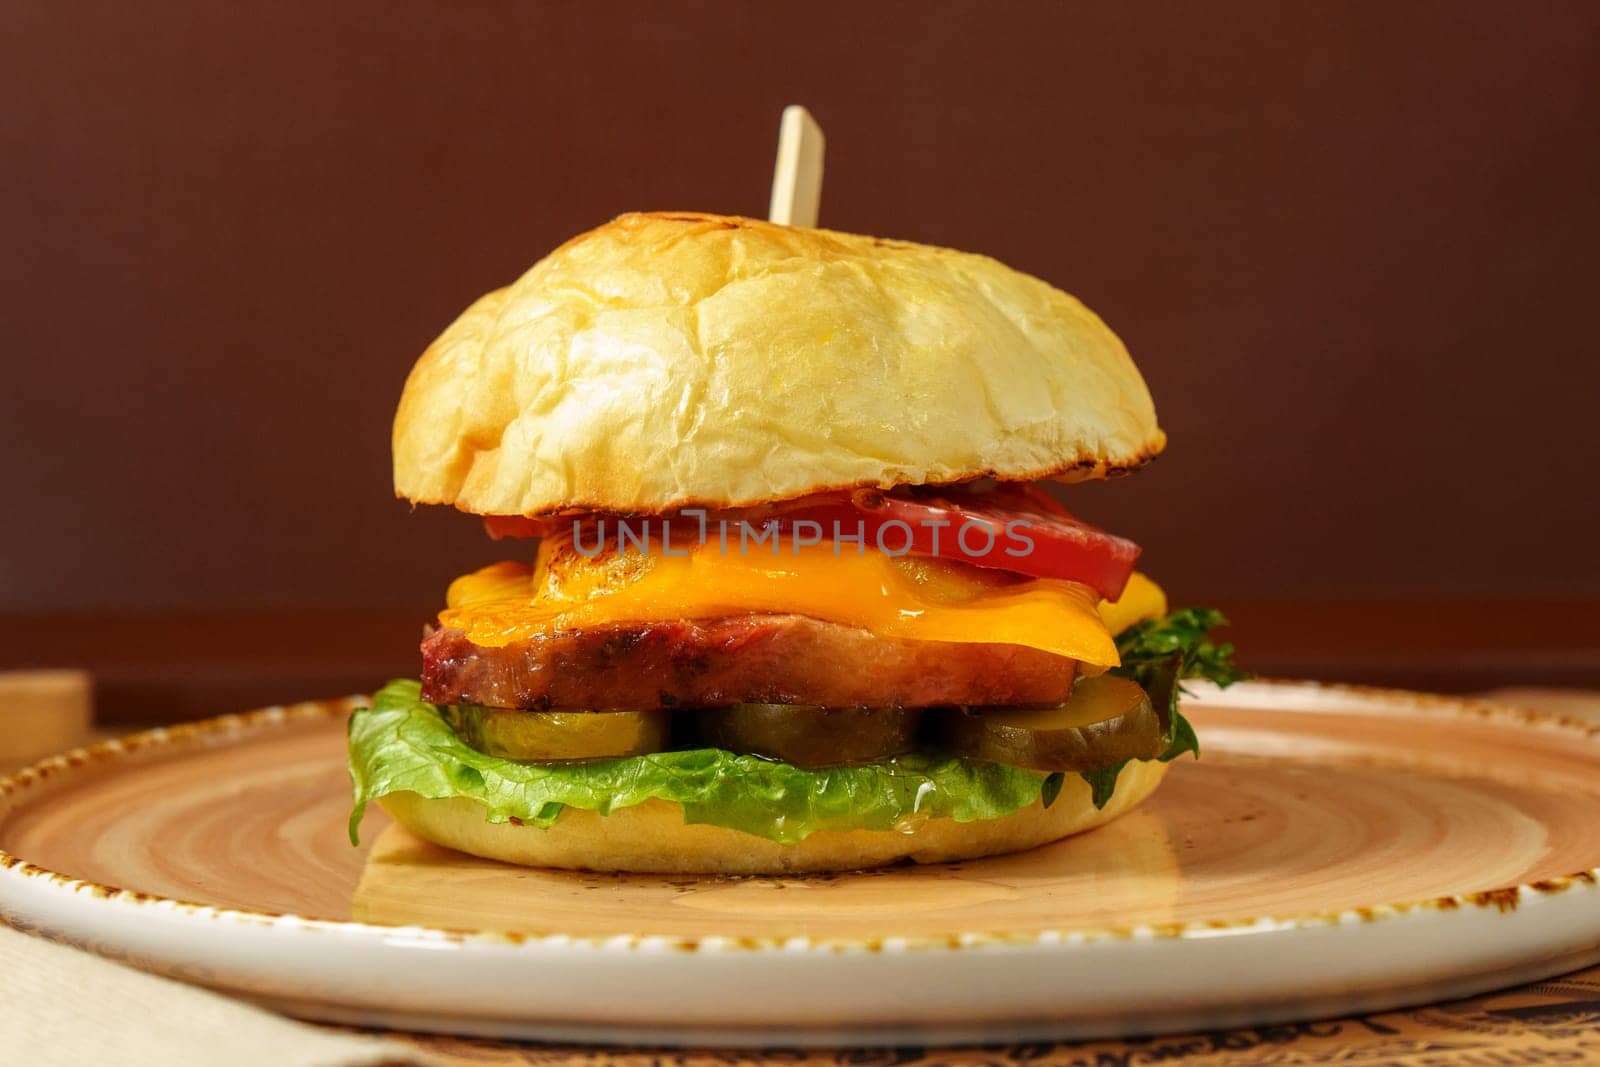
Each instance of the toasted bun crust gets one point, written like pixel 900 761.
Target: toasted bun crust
pixel 653 838
pixel 669 360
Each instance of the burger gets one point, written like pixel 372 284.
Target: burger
pixel 784 591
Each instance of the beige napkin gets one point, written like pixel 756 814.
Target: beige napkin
pixel 59 1006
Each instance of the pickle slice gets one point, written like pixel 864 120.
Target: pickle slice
pixel 810 736
pixel 1106 720
pixel 548 736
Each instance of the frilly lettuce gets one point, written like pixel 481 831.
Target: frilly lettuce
pixel 402 744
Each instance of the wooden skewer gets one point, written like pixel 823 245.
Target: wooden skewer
pixel 797 178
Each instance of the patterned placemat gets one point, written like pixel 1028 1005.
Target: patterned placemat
pixel 1545 1023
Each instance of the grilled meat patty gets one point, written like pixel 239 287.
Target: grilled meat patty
pixel 778 659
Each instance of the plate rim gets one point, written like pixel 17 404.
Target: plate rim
pixel 237 727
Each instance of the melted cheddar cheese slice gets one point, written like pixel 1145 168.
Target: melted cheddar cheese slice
pixel 916 599
pixel 1141 599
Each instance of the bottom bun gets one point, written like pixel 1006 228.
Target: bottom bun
pixel 653 838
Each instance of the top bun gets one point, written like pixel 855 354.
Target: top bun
pixel 669 360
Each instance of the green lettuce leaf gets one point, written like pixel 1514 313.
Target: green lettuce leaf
pixel 402 744
pixel 1150 648
pixel 1159 654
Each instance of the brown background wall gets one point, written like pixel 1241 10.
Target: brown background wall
pixel 1352 246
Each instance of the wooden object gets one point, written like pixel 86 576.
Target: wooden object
pixel 797 177
pixel 43 711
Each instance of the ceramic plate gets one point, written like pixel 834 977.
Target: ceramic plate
pixel 1337 850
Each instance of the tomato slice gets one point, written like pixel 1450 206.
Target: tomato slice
pixel 502 526
pixel 1011 527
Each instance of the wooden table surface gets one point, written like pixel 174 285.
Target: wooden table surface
pixel 173 667
pixel 1550 1022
